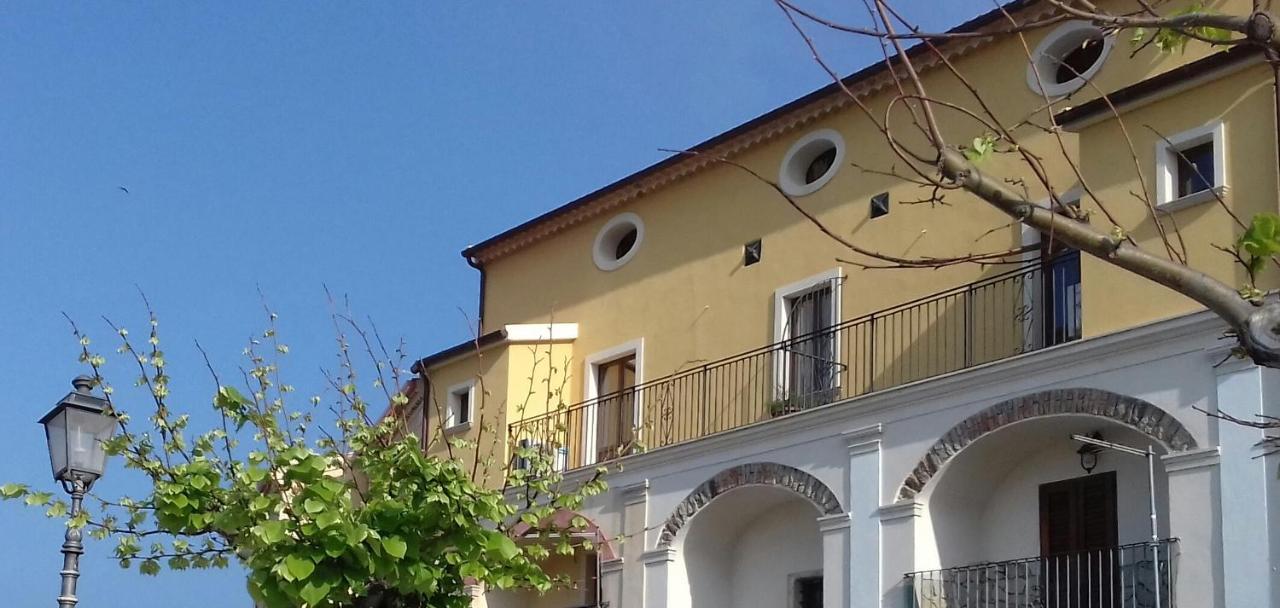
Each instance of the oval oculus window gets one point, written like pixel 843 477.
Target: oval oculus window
pixel 618 241
pixel 811 162
pixel 1067 58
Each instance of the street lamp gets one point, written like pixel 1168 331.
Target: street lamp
pixel 75 429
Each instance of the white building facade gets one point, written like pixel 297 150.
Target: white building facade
pixel 948 492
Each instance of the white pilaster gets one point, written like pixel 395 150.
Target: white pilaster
pixel 836 569
pixel 898 523
pixel 611 582
pixel 1246 558
pixel 864 558
pixel 1192 497
pixel 657 576
pixel 635 506
pixel 477 595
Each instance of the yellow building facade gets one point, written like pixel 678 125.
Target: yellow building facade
pixel 707 329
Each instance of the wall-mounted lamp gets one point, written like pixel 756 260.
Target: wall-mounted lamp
pixel 1089 453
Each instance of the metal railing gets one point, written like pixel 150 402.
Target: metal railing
pixel 998 317
pixel 1129 576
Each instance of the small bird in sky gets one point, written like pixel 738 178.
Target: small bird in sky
pixel 123 189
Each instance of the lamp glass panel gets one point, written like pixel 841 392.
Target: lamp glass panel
pixel 86 431
pixel 55 431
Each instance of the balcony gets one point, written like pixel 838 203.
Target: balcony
pixel 1013 312
pixel 1126 576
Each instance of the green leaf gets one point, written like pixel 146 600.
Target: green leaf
pixel 1262 238
pixel 36 499
pixel 57 509
pixel 326 519
pixel 149 567
pixel 395 546
pixel 271 532
pixel 314 593
pixel 298 568
pixel 13 490
pixel 502 545
pixel 313 505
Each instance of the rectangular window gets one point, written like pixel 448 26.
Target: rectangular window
pixel 1190 167
pixel 811 358
pixel 459 404
pixel 1195 169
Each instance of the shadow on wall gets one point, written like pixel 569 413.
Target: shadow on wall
pixel 745 549
pixel 984 505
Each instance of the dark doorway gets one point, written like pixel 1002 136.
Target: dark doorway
pixel 808 592
pixel 1077 541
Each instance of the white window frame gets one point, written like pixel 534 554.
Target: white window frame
pixel 1167 166
pixel 591 390
pixel 798 157
pixel 782 320
pixel 602 247
pixel 451 425
pixel 1044 64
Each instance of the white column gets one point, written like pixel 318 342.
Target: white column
pixel 611 582
pixel 1192 508
pixel 476 593
pixel 657 574
pixel 836 570
pixel 898 523
pixel 863 500
pixel 635 504
pixel 1246 559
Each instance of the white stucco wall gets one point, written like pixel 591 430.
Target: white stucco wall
pixel 1169 364
pixel 772 549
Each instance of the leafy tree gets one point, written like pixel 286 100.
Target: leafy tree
pixel 323 508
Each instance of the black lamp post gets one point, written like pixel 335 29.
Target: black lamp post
pixel 75 429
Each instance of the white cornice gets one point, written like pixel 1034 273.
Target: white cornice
pixel 1191 459
pixel 900 510
pixel 658 556
pixel 832 523
pixel 541 332
pixel 611 566
pixel 864 440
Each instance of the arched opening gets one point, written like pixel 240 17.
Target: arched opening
pixel 577 574
pixel 752 547
pixel 1016 512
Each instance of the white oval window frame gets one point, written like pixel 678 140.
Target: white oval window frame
pixel 796 162
pixel 606 242
pixel 1044 60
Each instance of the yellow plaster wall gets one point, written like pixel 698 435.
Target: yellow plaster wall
pixel 489 368
pixel 1243 102
pixel 687 294
pixel 686 291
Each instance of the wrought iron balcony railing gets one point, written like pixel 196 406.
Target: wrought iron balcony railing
pixel 998 317
pixel 1129 576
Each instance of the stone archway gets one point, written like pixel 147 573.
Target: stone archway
pixel 1135 413
pixel 754 474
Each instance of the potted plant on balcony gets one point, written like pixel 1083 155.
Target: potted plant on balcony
pixel 782 407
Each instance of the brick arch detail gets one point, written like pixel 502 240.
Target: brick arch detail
pixel 753 474
pixel 1130 411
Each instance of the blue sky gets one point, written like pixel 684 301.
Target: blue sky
pixel 289 147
